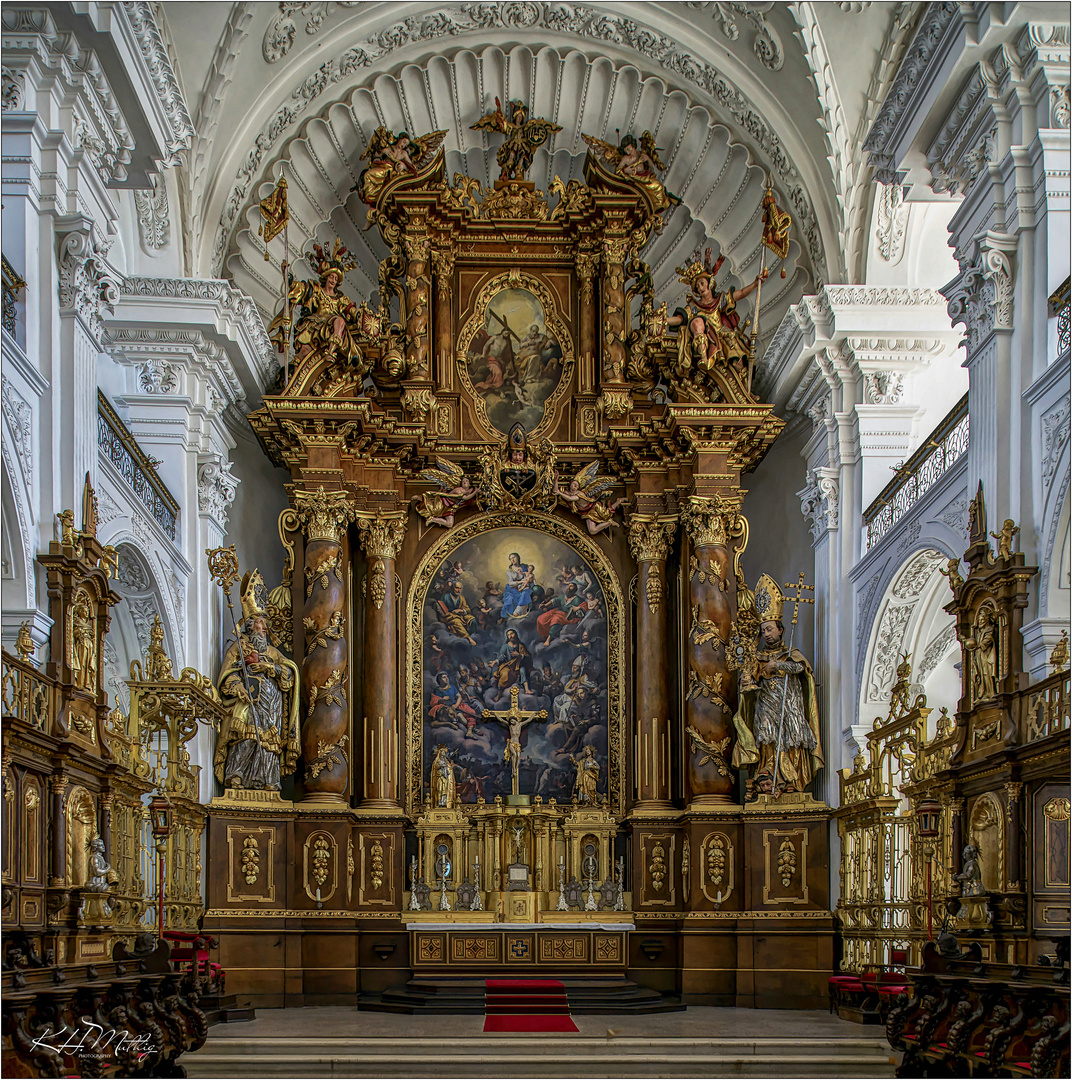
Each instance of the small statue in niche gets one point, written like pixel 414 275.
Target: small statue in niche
pixel 440 507
pixel 325 319
pixel 587 777
pixel 982 648
pixel 970 877
pixel 83 643
pixel 586 494
pixel 712 335
pixel 777 698
pixel 524 137
pixel 99 875
pixel 259 688
pixel 391 155
pixel 442 780
pixel 639 163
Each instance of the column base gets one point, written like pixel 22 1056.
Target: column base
pixel 320 799
pixel 380 807
pixel 660 807
pixel 701 802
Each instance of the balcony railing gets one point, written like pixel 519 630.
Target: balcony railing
pixel 1059 309
pixel 945 446
pixel 12 286
pixel 137 468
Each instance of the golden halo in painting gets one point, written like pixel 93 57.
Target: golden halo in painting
pixel 515 353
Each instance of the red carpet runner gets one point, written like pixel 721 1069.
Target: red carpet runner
pixel 526 1005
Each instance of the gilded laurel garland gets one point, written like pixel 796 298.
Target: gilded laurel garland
pixel 318 574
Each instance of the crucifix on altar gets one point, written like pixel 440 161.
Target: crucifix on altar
pixel 514 719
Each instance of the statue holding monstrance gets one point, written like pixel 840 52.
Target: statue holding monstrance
pixel 777 718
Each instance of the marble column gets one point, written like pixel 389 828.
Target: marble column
pixel 649 540
pixel 381 536
pixel 713 526
pixel 325 727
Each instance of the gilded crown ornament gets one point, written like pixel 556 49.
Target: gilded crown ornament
pixel 382 535
pixel 324 515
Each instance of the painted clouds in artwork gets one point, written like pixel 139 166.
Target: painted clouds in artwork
pixel 515 608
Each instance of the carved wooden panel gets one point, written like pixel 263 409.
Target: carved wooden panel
pixel 474 948
pixel 785 866
pixel 31 871
pixel 375 869
pixel 657 878
pixel 320 866
pixel 251 864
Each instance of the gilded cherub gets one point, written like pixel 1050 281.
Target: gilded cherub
pixel 1004 538
pixel 391 155
pixel 952 571
pixel 639 163
pixel 523 136
pixel 587 495
pixel 439 507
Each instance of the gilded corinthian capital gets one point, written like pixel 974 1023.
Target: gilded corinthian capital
pixel 382 535
pixel 324 515
pixel 650 538
pixel 709 521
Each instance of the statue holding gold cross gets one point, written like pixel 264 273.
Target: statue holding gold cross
pixel 777 719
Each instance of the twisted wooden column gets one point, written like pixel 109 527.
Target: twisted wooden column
pixel 649 540
pixel 325 728
pixel 381 537
pixel 713 526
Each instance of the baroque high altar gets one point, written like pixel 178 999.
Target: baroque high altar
pixel 515 595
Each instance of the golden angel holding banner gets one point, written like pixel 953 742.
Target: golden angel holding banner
pixel 523 137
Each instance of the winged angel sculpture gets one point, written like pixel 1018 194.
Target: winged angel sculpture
pixel 524 137
pixel 391 155
pixel 639 163
pixel 456 492
pixel 586 493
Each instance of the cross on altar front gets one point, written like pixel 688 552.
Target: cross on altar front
pixel 514 719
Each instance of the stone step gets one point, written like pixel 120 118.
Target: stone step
pixel 552 1058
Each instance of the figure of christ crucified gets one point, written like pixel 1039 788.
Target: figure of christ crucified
pixel 514 719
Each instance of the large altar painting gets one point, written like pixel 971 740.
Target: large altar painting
pixel 514 608
pixel 515 359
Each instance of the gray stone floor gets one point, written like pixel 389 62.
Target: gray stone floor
pixel 701 1042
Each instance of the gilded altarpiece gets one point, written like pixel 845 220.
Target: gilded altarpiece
pixel 518 684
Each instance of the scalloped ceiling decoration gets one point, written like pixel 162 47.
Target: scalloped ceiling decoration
pixel 720 184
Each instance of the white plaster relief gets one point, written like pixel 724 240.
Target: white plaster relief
pixel 20 417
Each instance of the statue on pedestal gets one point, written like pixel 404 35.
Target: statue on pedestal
pixel 442 781
pixel 777 697
pixel 100 876
pixel 258 742
pixel 584 786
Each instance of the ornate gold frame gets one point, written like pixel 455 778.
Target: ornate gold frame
pixel 516 279
pixel 415 603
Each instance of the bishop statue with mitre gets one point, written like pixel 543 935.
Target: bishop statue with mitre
pixel 258 742
pixel 777 717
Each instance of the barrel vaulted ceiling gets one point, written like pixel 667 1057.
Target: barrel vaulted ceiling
pixel 734 92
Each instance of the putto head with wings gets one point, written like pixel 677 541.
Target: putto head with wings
pixel 587 495
pixel 393 155
pixel 456 492
pixel 638 162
